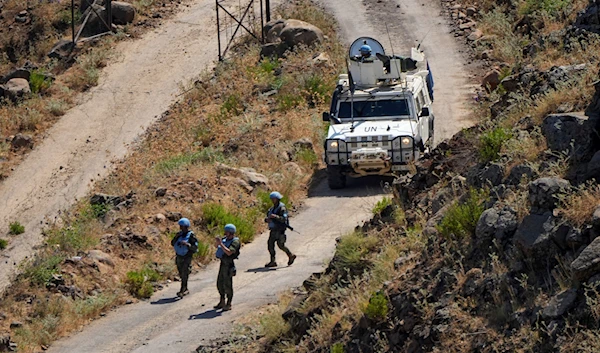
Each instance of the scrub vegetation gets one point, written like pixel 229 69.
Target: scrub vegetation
pixel 204 153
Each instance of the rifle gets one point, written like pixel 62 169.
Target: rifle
pixel 287 226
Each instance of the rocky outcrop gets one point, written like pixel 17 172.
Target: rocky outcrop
pixel 589 19
pixel 560 304
pixel 122 12
pixel 534 237
pixel 499 224
pixel 282 35
pixel 588 262
pixel 545 193
pixel 17 88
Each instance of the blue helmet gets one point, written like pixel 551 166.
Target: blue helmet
pixel 365 49
pixel 275 195
pixel 230 228
pixel 184 222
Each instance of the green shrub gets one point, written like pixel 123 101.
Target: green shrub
pixel 232 106
pixel 76 236
pixel 552 8
pixel 177 162
pixel 203 249
pixel 266 203
pixel 15 228
pixel 461 219
pixel 38 82
pixel 215 217
pixel 382 205
pixel 57 107
pixel 307 155
pixel 337 348
pixel 139 283
pixel 316 89
pixel 286 102
pixel 41 270
pixel 377 309
pixel 352 249
pixel 3 244
pixel 491 143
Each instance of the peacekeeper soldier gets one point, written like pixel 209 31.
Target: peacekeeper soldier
pixel 185 244
pixel 228 249
pixel 277 218
pixel 365 54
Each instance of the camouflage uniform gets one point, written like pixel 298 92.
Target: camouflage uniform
pixel 184 256
pixel 226 271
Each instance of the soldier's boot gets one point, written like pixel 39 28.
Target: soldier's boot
pixel 227 306
pixel 291 259
pixel 271 264
pixel 221 304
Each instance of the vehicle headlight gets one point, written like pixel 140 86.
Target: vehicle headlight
pixel 406 142
pixel 332 145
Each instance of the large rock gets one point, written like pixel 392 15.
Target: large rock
pixel 122 12
pixel 534 237
pixel 545 193
pixel 593 167
pixel 22 141
pixel 587 263
pixel 491 80
pixel 589 19
pixel 273 50
pixel 101 256
pixel 497 224
pixel 519 172
pixel 18 73
pixel 568 133
pixel 96 24
pixel 296 32
pixel 560 304
pixel 17 88
pixel 273 29
pixel 489 176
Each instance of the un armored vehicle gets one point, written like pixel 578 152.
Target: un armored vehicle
pixel 380 117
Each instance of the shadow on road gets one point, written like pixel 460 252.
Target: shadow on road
pixel 261 269
pixel 355 187
pixel 209 314
pixel 165 301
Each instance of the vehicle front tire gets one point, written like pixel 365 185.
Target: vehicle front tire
pixel 335 178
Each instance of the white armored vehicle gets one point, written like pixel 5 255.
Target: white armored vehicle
pixel 381 118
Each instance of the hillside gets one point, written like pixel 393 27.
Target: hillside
pixel 492 245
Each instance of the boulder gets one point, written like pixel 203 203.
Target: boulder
pixel 497 224
pixel 491 80
pixel 545 193
pixel 272 30
pixel 273 50
pixel 122 12
pixel 534 237
pixel 255 179
pixel 510 83
pixel 587 263
pixel 96 22
pixel 16 88
pixel 574 238
pixel 296 32
pixel 593 167
pixel 292 168
pixel 475 35
pixel 160 192
pixel 568 133
pixel 18 73
pixel 321 60
pixel 489 176
pixel 21 141
pixel 560 304
pixel 101 256
pixel 519 172
pixel 173 216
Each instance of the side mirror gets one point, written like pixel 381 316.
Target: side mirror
pixel 326 116
pixel 425 111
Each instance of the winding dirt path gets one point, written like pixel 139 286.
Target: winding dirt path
pixel 168 325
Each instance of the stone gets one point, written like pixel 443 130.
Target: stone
pixel 321 60
pixel 18 73
pixel 255 179
pixel 574 238
pixel 593 167
pixel 104 199
pixel 16 324
pixel 96 23
pixel 173 216
pixel 560 304
pixel 568 133
pixel 497 224
pixel 467 25
pixel 399 262
pixel 471 11
pixel 587 263
pixel 511 83
pixel 296 32
pixel 61 49
pixel 489 176
pixel 596 218
pixel 160 192
pixel 159 218
pixel 304 143
pixel 17 88
pixel 122 12
pixel 6 345
pixel 475 35
pixel 545 193
pixel 101 256
pixel 273 50
pixel 519 172
pixel 491 80
pixel 533 237
pixel 273 30
pixel 292 168
pixel 22 141
pixel 244 184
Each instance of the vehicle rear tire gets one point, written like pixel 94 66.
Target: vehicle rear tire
pixel 335 178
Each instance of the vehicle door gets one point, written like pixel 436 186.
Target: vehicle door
pixel 423 116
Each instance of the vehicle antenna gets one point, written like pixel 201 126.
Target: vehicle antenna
pixel 425 36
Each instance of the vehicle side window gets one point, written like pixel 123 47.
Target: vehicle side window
pixel 419 102
pixel 422 96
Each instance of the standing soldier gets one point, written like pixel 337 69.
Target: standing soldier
pixel 277 218
pixel 185 244
pixel 228 249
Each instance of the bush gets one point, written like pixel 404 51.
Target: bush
pixel 41 270
pixel 316 89
pixel 377 309
pixel 307 156
pixel 215 217
pixel 351 251
pixel 139 283
pixel 203 250
pixel 15 228
pixel 76 236
pixel 382 205
pixel 3 244
pixel 491 143
pixel 175 163
pixel 232 106
pixel 286 102
pixel 38 82
pixel 461 219
pixel 57 107
pixel 337 348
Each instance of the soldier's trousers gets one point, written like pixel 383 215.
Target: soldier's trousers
pixel 277 237
pixel 184 266
pixel 225 280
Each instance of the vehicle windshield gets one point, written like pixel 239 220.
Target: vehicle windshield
pixel 374 109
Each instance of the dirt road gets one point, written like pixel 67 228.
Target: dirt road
pixel 136 87
pixel 140 86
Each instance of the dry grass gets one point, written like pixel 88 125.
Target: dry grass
pixel 578 207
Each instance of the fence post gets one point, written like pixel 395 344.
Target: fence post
pixel 268 9
pixel 109 14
